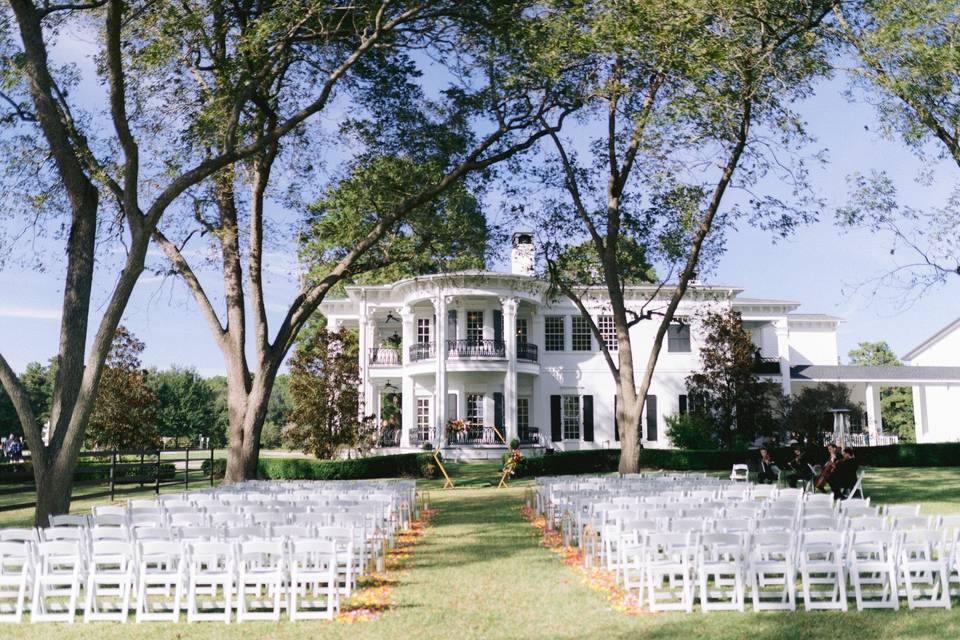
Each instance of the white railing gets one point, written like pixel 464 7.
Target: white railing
pixel 869 440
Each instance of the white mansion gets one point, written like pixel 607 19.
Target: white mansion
pixel 496 352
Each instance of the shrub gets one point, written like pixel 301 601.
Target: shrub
pixel 408 465
pixel 692 430
pixel 219 468
pixel 86 472
pixel 427 446
pixel 514 444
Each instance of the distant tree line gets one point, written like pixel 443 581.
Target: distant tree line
pixel 144 408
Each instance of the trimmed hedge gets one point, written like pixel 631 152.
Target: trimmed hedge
pixel 945 454
pixel 407 464
pixel 91 472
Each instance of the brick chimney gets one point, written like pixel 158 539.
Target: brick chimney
pixel 522 256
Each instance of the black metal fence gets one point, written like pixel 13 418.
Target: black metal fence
pixel 101 474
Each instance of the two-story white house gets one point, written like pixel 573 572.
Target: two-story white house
pixel 495 351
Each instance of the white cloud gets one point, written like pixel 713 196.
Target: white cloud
pixel 29 313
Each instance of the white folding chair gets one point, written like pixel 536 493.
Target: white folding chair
pixel 670 559
pixel 110 568
pixel 16 574
pixel 20 534
pixel 261 576
pixel 871 559
pixel 210 566
pixel 159 575
pixel 314 576
pixel 59 574
pixel 771 571
pixel 821 570
pixel 721 562
pixel 66 520
pixel 740 473
pixel 923 568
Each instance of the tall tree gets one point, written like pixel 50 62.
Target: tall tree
pixel 406 192
pixel 904 55
pixel 186 408
pixel 686 94
pixel 725 387
pixel 896 403
pixel 182 84
pixel 124 415
pixel 324 384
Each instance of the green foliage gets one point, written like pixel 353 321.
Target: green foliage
pixel 125 412
pixel 324 386
pixel 809 412
pixel 186 405
pixel 896 403
pixel 219 468
pixel 738 404
pixel 692 430
pixel 402 465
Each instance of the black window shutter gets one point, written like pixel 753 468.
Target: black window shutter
pixel 683 404
pixel 588 418
pixel 651 418
pixel 498 325
pixel 616 425
pixel 498 411
pixel 556 432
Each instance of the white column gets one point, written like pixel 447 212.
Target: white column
pixel 409 401
pixel 874 419
pixel 366 391
pixel 539 402
pixel 783 353
pixel 510 377
pixel 920 416
pixel 440 393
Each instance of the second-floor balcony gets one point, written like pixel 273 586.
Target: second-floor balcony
pixel 473 350
pixel 384 357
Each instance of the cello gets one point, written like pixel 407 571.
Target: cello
pixel 824 476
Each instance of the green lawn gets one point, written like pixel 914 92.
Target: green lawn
pixel 479 573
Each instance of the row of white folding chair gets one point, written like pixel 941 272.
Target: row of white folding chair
pixel 247 571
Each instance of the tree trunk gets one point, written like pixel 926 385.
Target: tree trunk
pixel 54 488
pixel 629 407
pixel 247 413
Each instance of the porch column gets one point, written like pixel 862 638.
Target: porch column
pixel 539 402
pixel 783 353
pixel 510 378
pixel 440 388
pixel 920 417
pixel 874 419
pixel 408 406
pixel 366 389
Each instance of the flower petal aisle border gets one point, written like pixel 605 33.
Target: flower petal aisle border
pixel 593 577
pixel 374 594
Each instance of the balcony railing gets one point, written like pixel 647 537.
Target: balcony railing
pixel 475 435
pixel 383 357
pixel 469 349
pixel 419 436
pixel 526 351
pixel 421 351
pixel 766 366
pixel 389 437
pixel 529 435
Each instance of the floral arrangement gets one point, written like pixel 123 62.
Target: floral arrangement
pixel 456 426
pixel 513 461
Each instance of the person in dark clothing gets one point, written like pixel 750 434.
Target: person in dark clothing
pixel 767 470
pixel 799 470
pixel 844 478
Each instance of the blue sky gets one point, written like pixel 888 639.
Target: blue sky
pixel 820 266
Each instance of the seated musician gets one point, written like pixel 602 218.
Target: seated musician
pixel 799 470
pixel 767 469
pixel 844 477
pixel 833 454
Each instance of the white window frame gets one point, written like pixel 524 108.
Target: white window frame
pixel 475 421
pixel 581 332
pixel 547 335
pixel 523 414
pixel 608 331
pixel 571 416
pixel 424 418
pixel 424 330
pixel 675 343
pixel 474 332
